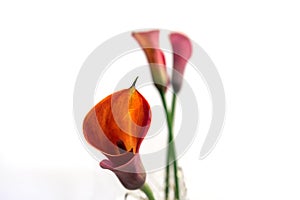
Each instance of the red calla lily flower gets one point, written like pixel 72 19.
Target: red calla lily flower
pixel 182 51
pixel 116 126
pixel 149 42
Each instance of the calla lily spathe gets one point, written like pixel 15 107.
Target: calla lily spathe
pixel 149 42
pixel 116 126
pixel 182 51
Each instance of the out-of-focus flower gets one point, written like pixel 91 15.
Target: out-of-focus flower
pixel 182 51
pixel 116 126
pixel 149 42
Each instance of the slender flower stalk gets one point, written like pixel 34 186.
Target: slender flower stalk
pixel 171 154
pixel 147 191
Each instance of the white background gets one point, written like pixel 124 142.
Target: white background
pixel 254 44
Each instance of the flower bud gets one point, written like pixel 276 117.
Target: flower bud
pixel 149 42
pixel 182 51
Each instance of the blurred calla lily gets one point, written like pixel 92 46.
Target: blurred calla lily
pixel 116 126
pixel 182 51
pixel 149 42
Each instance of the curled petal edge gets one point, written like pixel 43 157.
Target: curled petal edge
pixel 131 174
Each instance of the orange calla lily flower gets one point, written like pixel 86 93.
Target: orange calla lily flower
pixel 149 42
pixel 116 126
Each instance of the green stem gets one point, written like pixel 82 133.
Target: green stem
pixel 174 149
pixel 148 192
pixel 167 175
pixel 167 183
pixel 171 154
pixel 173 107
pixel 175 174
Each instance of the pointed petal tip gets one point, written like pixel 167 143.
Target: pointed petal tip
pixel 134 82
